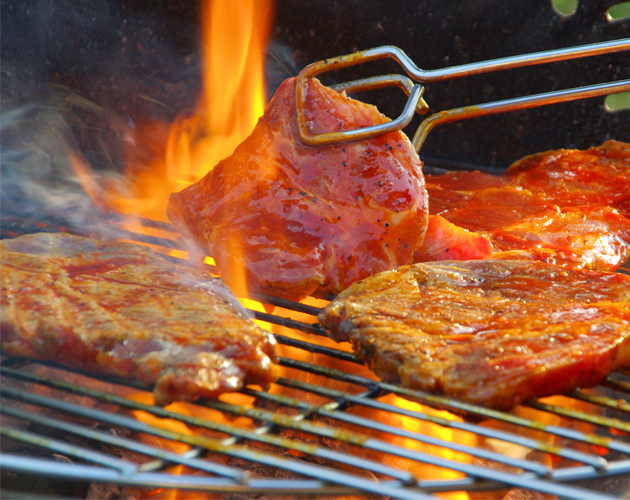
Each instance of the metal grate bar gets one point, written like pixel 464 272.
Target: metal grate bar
pixel 78 472
pixel 206 443
pixel 610 423
pixel 613 404
pixel 597 462
pixel 374 444
pixel 451 404
pixel 106 438
pixel 24 226
pixel 525 481
pixel 79 452
pixel 305 469
pixel 580 473
pixel 289 323
pixel 155 224
pixel 616 384
pixel 160 464
pixel 285 304
pixel 317 349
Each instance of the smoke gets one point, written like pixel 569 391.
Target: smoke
pixel 39 141
pixel 78 79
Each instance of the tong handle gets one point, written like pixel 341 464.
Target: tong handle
pixel 415 90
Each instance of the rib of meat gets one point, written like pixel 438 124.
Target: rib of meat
pixel 490 332
pixel 300 219
pixel 121 309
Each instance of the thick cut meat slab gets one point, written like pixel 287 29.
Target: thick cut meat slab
pixel 453 189
pixel 578 237
pixel 121 309
pixel 300 219
pixel 490 332
pixel 523 225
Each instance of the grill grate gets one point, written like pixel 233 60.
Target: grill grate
pixel 323 437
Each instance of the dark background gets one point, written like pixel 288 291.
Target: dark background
pixel 114 64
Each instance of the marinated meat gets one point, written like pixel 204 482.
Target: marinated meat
pixel 453 189
pixel 521 225
pixel 446 241
pixel 121 309
pixel 597 176
pixel 564 207
pixel 578 237
pixel 302 219
pixel 491 208
pixel 490 332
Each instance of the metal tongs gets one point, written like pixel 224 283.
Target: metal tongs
pixel 415 102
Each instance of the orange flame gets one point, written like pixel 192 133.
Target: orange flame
pixel 234 40
pixel 234 43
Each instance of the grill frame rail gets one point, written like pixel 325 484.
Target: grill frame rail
pixel 307 419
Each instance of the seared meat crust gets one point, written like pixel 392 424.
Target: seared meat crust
pixel 490 332
pixel 121 309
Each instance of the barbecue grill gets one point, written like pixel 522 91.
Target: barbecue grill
pixel 326 441
pixel 322 429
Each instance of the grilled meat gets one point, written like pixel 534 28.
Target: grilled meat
pixel 578 237
pixel 491 332
pixel 121 309
pixel 446 241
pixel 300 219
pixel 565 207
pixel 598 176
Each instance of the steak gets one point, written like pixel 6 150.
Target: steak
pixel 300 219
pixel 490 332
pixel 121 309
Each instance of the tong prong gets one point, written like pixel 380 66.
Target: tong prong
pixel 378 82
pixel 504 106
pixel 423 76
pixel 415 103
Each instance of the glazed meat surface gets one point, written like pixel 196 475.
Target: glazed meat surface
pixel 447 241
pixel 301 219
pixel 490 332
pixel 597 176
pixel 121 309
pixel 578 237
pixel 565 207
